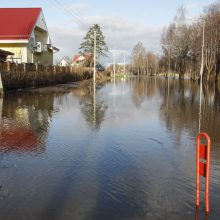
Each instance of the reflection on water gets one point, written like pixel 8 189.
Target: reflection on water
pixel 92 108
pixel 24 122
pixel 197 215
pixel 120 150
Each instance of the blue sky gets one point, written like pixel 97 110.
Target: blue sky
pixel 124 22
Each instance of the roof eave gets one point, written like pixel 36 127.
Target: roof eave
pixel 17 41
pixel 53 48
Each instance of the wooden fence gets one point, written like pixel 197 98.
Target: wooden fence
pixel 18 76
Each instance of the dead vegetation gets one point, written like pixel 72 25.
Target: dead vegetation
pixel 19 76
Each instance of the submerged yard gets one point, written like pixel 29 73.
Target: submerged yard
pixel 126 151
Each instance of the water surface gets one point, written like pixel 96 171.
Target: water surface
pixel 125 151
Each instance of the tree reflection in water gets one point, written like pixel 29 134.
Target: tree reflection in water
pixel 142 89
pixel 180 104
pixel 92 106
pixel 184 112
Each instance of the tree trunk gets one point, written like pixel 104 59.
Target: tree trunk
pixel 209 75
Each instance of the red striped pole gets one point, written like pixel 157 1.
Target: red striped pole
pixel 203 168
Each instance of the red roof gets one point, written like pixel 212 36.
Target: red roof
pixel 76 57
pixel 85 56
pixel 17 23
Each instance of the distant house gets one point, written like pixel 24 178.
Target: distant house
pixel 23 31
pixel 81 60
pixel 65 62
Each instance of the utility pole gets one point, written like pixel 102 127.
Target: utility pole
pixel 94 79
pixel 203 46
pixel 124 65
pixel 201 75
pixel 94 55
pixel 114 66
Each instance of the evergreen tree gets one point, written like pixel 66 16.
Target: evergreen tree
pixel 87 46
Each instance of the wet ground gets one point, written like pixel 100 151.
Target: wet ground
pixel 124 151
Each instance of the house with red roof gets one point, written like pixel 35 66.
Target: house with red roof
pixel 24 32
pixel 81 60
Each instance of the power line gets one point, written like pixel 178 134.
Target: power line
pixel 76 11
pixel 68 12
pixel 61 10
pixel 72 11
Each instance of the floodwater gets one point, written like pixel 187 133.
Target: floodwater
pixel 123 151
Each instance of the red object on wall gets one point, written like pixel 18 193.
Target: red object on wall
pixel 203 168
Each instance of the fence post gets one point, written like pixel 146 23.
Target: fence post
pixel 1 85
pixel 25 68
pixel 36 65
pixel 8 67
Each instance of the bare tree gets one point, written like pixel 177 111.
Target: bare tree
pixel 181 44
pixel 138 58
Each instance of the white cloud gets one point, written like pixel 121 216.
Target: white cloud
pixel 120 34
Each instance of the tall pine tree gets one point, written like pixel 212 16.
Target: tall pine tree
pixel 87 46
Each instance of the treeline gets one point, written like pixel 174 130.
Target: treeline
pixel 143 62
pixel 181 44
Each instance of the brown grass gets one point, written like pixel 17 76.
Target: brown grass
pixel 19 76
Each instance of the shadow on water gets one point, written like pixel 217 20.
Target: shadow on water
pixel 117 195
pixel 93 110
pixel 65 190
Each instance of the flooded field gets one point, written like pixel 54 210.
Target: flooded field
pixel 125 151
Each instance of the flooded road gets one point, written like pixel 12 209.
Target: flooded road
pixel 125 152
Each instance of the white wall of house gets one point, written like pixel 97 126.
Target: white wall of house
pixel 19 50
pixel 64 63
